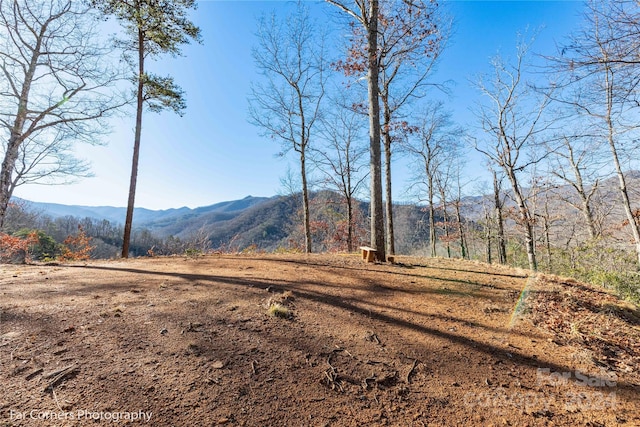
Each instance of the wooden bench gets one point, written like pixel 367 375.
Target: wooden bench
pixel 368 254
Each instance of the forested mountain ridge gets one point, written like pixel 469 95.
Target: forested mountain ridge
pixel 274 222
pixel 142 217
pixel 265 223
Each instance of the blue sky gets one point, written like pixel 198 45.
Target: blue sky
pixel 213 154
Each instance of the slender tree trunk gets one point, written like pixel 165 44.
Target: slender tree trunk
pixel 432 221
pixel 445 219
pixel 622 183
pixel 502 242
pixel 622 186
pixel 463 245
pixel 525 219
pixel 502 246
pixel 136 149
pixel 547 239
pixel 546 229
pixel 587 212
pixel 349 224
pixel 377 210
pixel 305 203
pixel 391 246
pixel 391 249
pixel 445 222
pixel 487 220
pixel 348 196
pixel 304 139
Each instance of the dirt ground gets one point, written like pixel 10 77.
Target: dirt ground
pixel 190 342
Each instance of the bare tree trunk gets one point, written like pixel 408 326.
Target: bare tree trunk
pixel 463 245
pixel 432 220
pixel 525 219
pixel 349 225
pixel 391 247
pixel 377 214
pixel 10 157
pixel 587 212
pixel 367 13
pixel 502 246
pixel 622 186
pixel 515 127
pixel 577 182
pixel 487 220
pixel 136 149
pixel 546 227
pixel 547 239
pixel 387 169
pixel 585 198
pixel 305 204
pixel 445 217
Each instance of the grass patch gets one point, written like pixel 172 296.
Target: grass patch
pixel 279 310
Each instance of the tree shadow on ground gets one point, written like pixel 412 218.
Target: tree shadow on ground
pixel 349 305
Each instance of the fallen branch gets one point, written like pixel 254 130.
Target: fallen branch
pixel 56 377
pixel 59 371
pixel 413 368
pixel 338 349
pixel 33 374
pixel 56 399
pixel 332 376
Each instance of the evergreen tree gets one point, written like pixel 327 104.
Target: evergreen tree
pixel 153 27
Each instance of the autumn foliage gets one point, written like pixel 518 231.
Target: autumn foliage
pixel 76 248
pixel 406 31
pixel 16 249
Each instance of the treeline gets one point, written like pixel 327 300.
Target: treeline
pixel 272 226
pixel 104 237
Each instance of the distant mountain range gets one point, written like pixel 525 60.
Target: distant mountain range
pixel 266 222
pixel 146 217
pixel 273 222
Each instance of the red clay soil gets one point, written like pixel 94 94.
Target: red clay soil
pixel 191 342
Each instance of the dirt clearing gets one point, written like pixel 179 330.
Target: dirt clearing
pixel 321 340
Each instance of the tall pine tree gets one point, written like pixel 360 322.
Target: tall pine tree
pixel 153 28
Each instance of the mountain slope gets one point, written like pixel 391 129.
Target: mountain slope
pixel 142 217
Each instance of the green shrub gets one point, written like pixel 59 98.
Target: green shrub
pixel 601 265
pixel 191 252
pixel 44 249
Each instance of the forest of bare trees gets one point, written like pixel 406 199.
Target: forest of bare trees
pixel 557 134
